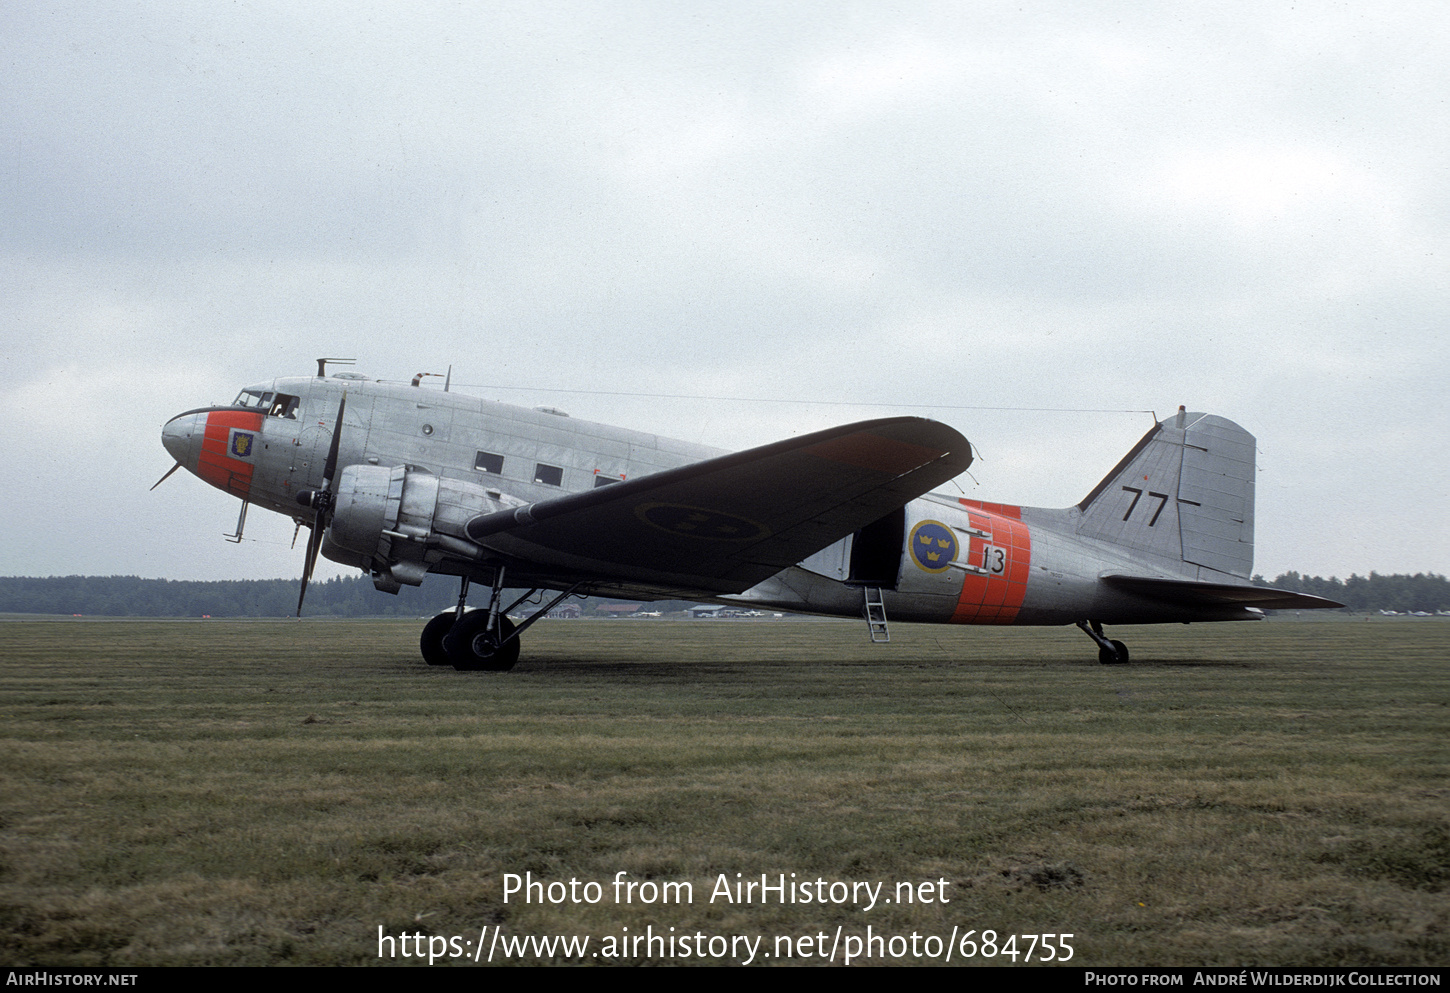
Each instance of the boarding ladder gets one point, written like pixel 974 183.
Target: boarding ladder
pixel 876 614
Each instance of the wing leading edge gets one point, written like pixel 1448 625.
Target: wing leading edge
pixel 727 523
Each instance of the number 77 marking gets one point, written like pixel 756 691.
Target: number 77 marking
pixel 1137 495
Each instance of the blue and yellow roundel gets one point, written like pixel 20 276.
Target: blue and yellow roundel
pixel 933 546
pixel 242 444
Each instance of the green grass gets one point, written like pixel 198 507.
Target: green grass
pixel 258 792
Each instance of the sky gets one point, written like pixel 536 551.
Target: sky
pixel 1043 224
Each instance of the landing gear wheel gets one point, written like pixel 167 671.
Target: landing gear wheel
pixel 472 648
pixel 1118 655
pixel 433 634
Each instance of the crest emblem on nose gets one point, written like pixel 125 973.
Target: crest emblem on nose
pixel 242 442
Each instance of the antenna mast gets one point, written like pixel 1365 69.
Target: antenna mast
pixel 322 365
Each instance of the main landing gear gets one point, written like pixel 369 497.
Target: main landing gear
pixel 480 642
pixel 1109 652
pixel 473 640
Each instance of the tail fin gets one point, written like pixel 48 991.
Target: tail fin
pixel 1183 495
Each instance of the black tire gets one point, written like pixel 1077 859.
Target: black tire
pixel 1117 655
pixel 472 648
pixel 434 632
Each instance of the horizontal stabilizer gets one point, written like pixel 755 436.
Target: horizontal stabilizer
pixel 1192 594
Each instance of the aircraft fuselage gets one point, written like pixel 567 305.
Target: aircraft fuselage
pixel 1119 557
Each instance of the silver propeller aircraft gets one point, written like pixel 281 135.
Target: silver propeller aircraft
pixel 402 481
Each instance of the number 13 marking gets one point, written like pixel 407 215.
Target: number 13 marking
pixel 994 559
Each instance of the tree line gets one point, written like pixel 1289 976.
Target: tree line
pixel 1423 591
pixel 354 596
pixel 132 596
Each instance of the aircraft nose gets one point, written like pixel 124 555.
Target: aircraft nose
pixel 182 437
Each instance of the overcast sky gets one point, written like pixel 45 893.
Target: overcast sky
pixel 1036 222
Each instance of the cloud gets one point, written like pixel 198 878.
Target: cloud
pixel 1235 207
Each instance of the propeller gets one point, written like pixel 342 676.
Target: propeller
pixel 321 502
pixel 166 477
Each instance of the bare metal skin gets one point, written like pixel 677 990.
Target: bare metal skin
pixel 838 522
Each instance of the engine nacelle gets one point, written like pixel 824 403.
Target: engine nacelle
pixel 399 522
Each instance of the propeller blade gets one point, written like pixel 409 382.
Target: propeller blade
pixel 322 501
pixel 165 477
pixel 329 468
pixel 314 543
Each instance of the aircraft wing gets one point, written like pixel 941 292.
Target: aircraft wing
pixel 727 523
pixel 1189 593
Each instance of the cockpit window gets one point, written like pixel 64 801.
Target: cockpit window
pixel 257 398
pixel 275 404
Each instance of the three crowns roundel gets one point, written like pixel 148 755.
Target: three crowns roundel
pixel 933 546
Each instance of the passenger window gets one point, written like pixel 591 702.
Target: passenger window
pixel 549 475
pixel 604 481
pixel 488 462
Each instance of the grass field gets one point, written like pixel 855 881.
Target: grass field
pixel 271 793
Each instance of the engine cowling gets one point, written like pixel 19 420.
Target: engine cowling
pixel 399 522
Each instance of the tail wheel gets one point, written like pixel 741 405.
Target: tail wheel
pixel 433 634
pixel 470 647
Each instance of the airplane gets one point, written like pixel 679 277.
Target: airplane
pixel 402 481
